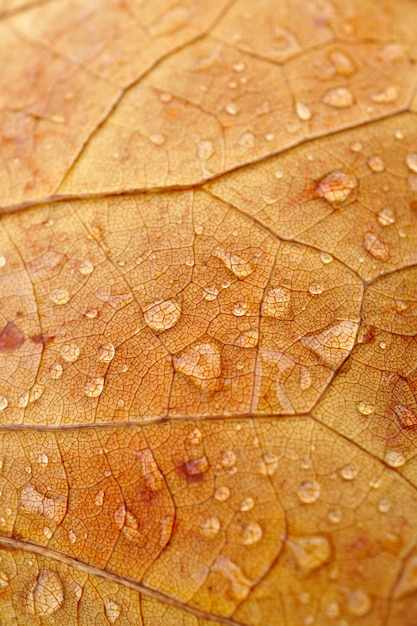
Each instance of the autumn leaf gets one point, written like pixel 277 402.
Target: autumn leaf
pixel 208 301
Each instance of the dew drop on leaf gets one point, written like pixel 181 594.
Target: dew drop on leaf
pixel 162 315
pixel 337 186
pixel 106 352
pixel 411 161
pixel 309 491
pixel 338 98
pixel 94 387
pixel 70 352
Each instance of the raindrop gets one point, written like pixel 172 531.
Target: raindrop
pixel 195 437
pixel 94 387
pixel 240 586
pixel 222 494
pixel 332 610
pixel 339 98
pixel 202 360
pixel 112 610
pixel 394 458
pixel 337 186
pixel 43 459
pixel 359 603
pixel 269 464
pixel 247 504
pixel 310 552
pixel 3 403
pixel 342 63
pixel 239 267
pixel 386 217
pixel 411 161
pixel 365 408
pixel 211 293
pixel 326 258
pixel 47 532
pixel 384 506
pixel 315 289
pixel 239 309
pixel 252 533
pixel 248 339
pixel 210 527
pixel 70 352
pixel 239 67
pixel 86 267
pixel 309 491
pixel 72 536
pixel 376 164
pixel 247 140
pixel 162 315
pixel 375 247
pixel 399 134
pixel 106 352
pixel 348 472
pixel 335 515
pixel 231 108
pixel 356 146
pixel 195 467
pixel 385 96
pixel 55 371
pixel 303 111
pixel 91 313
pixel 46 595
pixel 277 304
pixel 278 174
pixel 157 139
pixel 400 306
pixel 59 296
pixel 228 459
pixel 2 261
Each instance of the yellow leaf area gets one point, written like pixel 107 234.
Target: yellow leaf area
pixel 208 313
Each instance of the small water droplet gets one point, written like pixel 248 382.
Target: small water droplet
pixel 228 459
pixel 157 139
pixel 247 504
pixel 394 458
pixel 339 98
pixel 112 610
pixel 365 408
pixel 70 352
pixel 356 146
pixel 86 267
pixel 359 603
pixel 278 174
pixel 310 552
pixel 23 401
pixel 106 352
pixel 332 610
pixel 383 345
pixel 247 140
pixel 375 247
pixel 309 491
pixel 250 534
pixel 59 296
pixel 269 137
pixel 384 506
pixel 2 261
pixel 342 63
pixel 195 436
pixel 195 467
pixel 210 527
pixel 349 472
pixel 335 515
pixel 386 217
pixel 399 134
pixel 47 532
pixel 210 293
pixel 315 289
pixel 277 303
pixel 337 186
pixel 94 387
pixel 240 268
pixel 376 164
pixel 326 258
pixel 4 403
pixel 43 459
pixel 162 315
pixel 269 464
pixel 240 66
pixel 231 108
pixel 239 309
pixel 385 96
pixel 91 313
pixel 55 371
pixel 303 111
pixel 411 160
pixel 400 306
pixel 222 494
pixel 72 536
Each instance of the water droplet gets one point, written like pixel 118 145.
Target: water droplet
pixel 326 258
pixel 112 610
pixel 386 217
pixel 407 417
pixel 342 63
pixel 305 597
pixel 23 401
pixel 240 586
pixel 210 527
pixel 228 459
pixel 205 149
pixel 359 603
pixel 91 313
pixel 59 296
pixel 335 515
pixel 394 458
pixel 99 498
pixel 157 139
pixel 55 371
pixel 47 532
pixel 349 472
pixel 70 352
pixel 365 408
pixel 277 303
pixel 252 533
pixel 247 140
pixel 333 344
pixel 239 309
pixel 309 491
pixel 337 186
pixel 46 595
pixel 315 289
pixel 222 494
pixel 376 248
pixel 248 339
pixel 239 67
pixel 278 174
pixel 4 403
pixel 339 98
pixel 86 267
pixel 310 552
pixel 332 610
pixel 384 506
pixel 239 267
pixel 356 146
pixel 247 504
pixel 385 96
pixel 231 108
pixel 2 261
pixel 376 164
pixel 195 437
pixel 106 352
pixel 162 315
pixel 195 467
pixel 211 293
pixel 72 536
pixel 94 387
pixel 43 459
pixel 269 464
pixel 400 306
pixel 202 361
pixel 411 160
pixel 303 111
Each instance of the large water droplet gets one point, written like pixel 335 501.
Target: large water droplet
pixel 195 467
pixel 55 371
pixel 211 293
pixel 106 352
pixel 222 493
pixel 47 594
pixel 349 472
pixel 315 289
pixel 386 217
pixel 112 610
pixel 339 98
pixel 375 247
pixel 394 458
pixel 228 459
pixel 202 360
pixel 94 387
pixel 337 186
pixel 210 527
pixel 303 111
pixel 70 352
pixel 162 315
pixel 384 506
pixel 309 491
pixel 269 464
pixel 250 534
pixel 247 504
pixel 85 267
pixel 333 344
pixel 235 263
pixel 59 296
pixel 376 164
pixel 239 309
pixel 342 63
pixel 310 552
pixel 365 408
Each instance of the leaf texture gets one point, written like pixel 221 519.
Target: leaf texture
pixel 208 313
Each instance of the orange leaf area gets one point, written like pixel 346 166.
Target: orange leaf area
pixel 208 313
